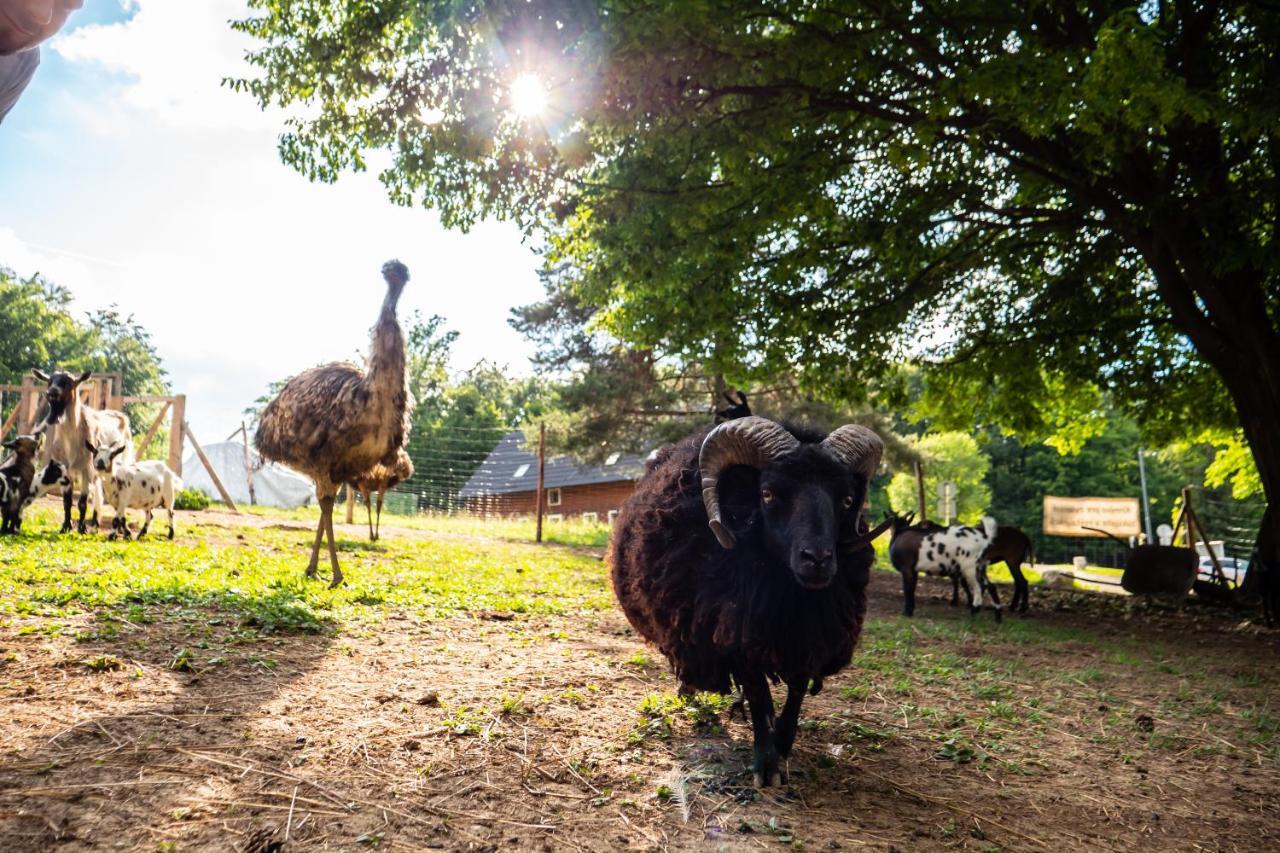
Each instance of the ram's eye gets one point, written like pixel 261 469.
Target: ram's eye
pixel 768 496
pixel 848 501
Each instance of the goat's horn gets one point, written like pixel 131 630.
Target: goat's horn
pixel 857 447
pixel 750 441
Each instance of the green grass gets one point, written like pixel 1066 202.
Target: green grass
pixel 49 575
pixel 573 532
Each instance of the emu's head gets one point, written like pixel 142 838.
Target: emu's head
pixel 61 385
pixel 803 497
pixel 104 457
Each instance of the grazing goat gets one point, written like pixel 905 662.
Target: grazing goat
pixel 381 478
pixel 743 556
pixel 15 480
pixel 135 485
pixel 954 552
pixel 72 427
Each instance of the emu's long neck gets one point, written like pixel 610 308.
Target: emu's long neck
pixel 386 351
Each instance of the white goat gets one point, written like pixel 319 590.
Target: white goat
pixel 72 428
pixel 953 552
pixel 135 485
pixel 53 476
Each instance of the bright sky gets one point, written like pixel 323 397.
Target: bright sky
pixel 130 176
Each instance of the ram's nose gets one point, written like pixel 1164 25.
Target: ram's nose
pixel 814 567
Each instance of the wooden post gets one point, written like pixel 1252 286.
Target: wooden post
pixel 213 475
pixel 921 509
pixel 11 420
pixel 1186 512
pixel 27 405
pixel 542 469
pixel 152 430
pixel 248 464
pixel 176 425
pixel 1193 521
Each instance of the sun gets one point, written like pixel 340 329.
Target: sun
pixel 528 96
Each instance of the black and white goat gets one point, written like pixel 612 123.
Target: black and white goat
pixel 953 552
pixel 15 480
pixel 144 485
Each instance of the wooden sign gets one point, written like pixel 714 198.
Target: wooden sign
pixel 1070 516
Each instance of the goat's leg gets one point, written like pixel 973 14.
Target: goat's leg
pixel 326 509
pixel 169 509
pixel 909 578
pixel 789 719
pixel 95 491
pixel 955 591
pixel 1021 589
pixel 969 575
pixel 146 525
pixel 378 529
pixel 66 509
pixel 987 588
pixel 83 506
pixel 766 763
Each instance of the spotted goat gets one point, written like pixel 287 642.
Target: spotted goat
pixel 134 485
pixel 954 552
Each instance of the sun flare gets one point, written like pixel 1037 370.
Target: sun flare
pixel 528 96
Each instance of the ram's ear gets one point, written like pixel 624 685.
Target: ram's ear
pixel 39 374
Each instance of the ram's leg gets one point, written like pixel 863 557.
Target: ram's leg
pixel 765 760
pixel 789 719
pixel 909 578
pixel 66 509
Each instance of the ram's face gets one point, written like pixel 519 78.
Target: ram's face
pixel 803 511
pixel 104 457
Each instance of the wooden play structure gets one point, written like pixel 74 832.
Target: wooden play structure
pixel 102 391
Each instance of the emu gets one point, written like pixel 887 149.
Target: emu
pixel 334 422
pixel 71 427
pixel 956 552
pixel 743 556
pixel 381 478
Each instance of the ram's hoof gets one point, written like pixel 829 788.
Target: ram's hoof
pixel 769 768
pixel 999 616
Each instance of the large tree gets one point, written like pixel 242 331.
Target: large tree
pixel 1020 195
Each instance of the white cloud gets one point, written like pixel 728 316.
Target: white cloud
pixel 175 54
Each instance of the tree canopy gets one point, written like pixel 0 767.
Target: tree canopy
pixel 1025 198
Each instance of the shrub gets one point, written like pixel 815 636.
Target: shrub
pixel 191 499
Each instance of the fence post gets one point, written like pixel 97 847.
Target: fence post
pixel 176 424
pixel 920 503
pixel 248 464
pixel 542 467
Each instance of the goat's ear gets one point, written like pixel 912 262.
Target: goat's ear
pixel 10 444
pixel 89 445
pixel 39 374
pixel 83 376
pixel 118 451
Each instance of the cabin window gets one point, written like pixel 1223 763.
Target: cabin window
pixel 555 516
pixel 613 516
pixel 613 459
pixel 521 471
pixel 553 497
pixel 591 516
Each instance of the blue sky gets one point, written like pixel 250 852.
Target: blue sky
pixel 129 175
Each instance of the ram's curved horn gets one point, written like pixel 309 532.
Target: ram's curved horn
pixel 857 447
pixel 753 441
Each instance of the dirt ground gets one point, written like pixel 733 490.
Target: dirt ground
pixel 1084 726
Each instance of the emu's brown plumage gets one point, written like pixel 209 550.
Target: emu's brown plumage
pixel 381 478
pixel 335 422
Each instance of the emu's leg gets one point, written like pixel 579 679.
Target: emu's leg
pixel 378 532
pixel 909 590
pixel 326 512
pixel 315 546
pixel 765 761
pixel 368 509
pixel 789 719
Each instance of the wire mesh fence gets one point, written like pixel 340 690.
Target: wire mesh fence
pixel 450 475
